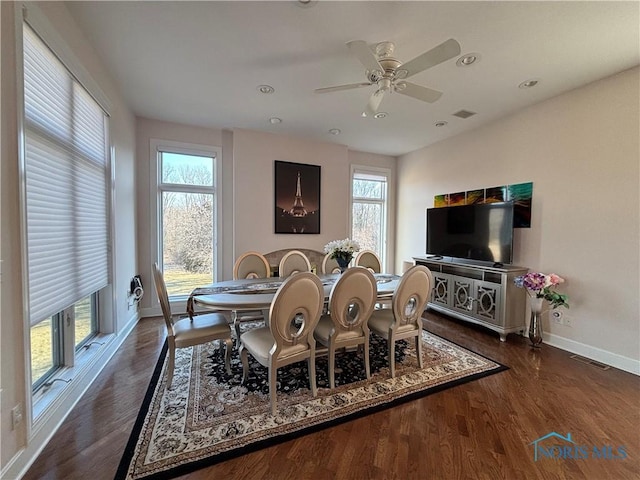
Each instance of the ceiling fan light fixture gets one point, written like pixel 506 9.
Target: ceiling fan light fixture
pixel 380 115
pixel 387 74
pixel 275 120
pixel 335 131
pixel 468 59
pixel 266 89
pixel 400 86
pixel 529 83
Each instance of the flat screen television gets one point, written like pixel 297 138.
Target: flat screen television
pixel 481 232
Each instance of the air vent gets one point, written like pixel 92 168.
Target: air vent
pixel 464 114
pixel 588 361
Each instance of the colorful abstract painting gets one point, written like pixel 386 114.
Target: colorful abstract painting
pixel 441 200
pixel 458 198
pixel 521 195
pixel 475 196
pixel 495 194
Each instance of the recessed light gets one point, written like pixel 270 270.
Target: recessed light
pixel 441 123
pixel 468 59
pixel 335 131
pixel 306 3
pixel 265 89
pixel 275 120
pixel 380 115
pixel 529 83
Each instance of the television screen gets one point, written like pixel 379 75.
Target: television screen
pixel 476 232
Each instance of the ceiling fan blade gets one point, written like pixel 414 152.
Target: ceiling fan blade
pixel 374 103
pixel 337 88
pixel 439 54
pixel 421 93
pixel 367 58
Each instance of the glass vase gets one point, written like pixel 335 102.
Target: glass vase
pixel 343 263
pixel 535 324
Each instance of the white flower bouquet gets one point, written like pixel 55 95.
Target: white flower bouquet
pixel 342 250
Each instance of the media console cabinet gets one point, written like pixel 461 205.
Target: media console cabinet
pixel 485 295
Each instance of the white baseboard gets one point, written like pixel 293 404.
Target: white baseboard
pixel 150 312
pixel 603 356
pixel 178 309
pixel 52 419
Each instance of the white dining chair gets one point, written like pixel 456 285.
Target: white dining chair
pixel 187 332
pixel 249 265
pixel 351 303
pixel 369 259
pixel 404 318
pixel 330 265
pixel 293 316
pixel 294 261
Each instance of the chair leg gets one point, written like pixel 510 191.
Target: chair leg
pixel 227 354
pixel 236 326
pixel 365 353
pixel 273 394
pixel 392 357
pixel 312 374
pixel 332 365
pixel 245 363
pixel 171 363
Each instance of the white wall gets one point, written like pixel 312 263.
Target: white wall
pixel 581 151
pixel 254 154
pixel 17 445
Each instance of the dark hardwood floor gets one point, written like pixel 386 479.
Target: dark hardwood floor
pixel 479 430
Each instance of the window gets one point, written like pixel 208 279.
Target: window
pixel 187 213
pixel 65 163
pixel 369 191
pixel 55 341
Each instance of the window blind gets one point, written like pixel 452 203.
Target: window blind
pixel 66 184
pixel 361 175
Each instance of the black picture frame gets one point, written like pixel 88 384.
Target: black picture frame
pixel 296 198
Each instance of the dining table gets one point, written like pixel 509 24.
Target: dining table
pixel 249 294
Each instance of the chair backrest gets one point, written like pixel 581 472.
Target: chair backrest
pixel 369 259
pixel 161 290
pixel 352 301
pixel 411 296
pixel 294 314
pixel 330 265
pixel 293 262
pixel 251 265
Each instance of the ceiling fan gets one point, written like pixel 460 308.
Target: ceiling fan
pixel 388 74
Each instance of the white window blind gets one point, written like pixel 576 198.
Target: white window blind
pixel 67 176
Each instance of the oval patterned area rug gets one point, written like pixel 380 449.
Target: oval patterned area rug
pixel 209 416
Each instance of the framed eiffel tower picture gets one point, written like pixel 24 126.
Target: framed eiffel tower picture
pixel 297 197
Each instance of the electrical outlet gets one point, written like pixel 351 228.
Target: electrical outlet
pixel 556 317
pixel 16 416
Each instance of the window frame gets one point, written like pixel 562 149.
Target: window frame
pixel 157 187
pixel 385 203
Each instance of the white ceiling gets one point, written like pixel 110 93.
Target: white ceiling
pixel 199 63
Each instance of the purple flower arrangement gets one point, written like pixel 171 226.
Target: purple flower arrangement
pixel 542 285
